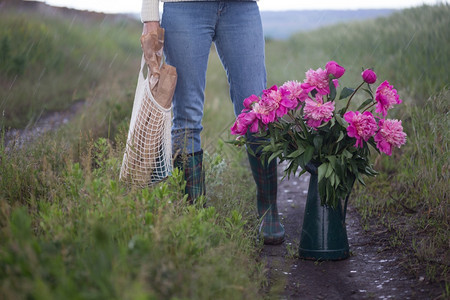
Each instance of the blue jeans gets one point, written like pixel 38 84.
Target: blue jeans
pixel 190 29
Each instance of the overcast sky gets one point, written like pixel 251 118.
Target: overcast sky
pixel 134 6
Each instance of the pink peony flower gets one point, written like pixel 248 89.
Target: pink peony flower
pixel 288 100
pixel 317 80
pixel 316 112
pixel 252 120
pixel 239 127
pixel 275 102
pixel 386 96
pixel 248 102
pixel 390 135
pixel 243 122
pixel 265 110
pixel 295 90
pixel 336 83
pixel 334 69
pixel 361 126
pixel 369 76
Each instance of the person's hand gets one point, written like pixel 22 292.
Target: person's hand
pixel 151 26
pixel 152 42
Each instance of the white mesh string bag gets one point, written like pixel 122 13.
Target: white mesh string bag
pixel 148 152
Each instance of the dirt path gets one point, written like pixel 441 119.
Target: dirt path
pixel 45 123
pixel 372 272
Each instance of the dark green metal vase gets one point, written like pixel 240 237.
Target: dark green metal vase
pixel 324 236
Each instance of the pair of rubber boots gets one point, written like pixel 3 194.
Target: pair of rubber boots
pixel 265 176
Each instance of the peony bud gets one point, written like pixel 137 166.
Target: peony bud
pixel 369 76
pixel 335 69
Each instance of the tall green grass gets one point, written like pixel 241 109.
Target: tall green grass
pixel 48 63
pixel 410 48
pixel 69 229
pixel 410 197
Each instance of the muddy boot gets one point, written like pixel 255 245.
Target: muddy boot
pixel 266 194
pixel 191 165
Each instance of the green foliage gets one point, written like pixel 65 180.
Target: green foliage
pixel 83 234
pixel 326 150
pixel 48 63
pixel 337 162
pixel 69 229
pixel 24 45
pixel 413 192
pixel 409 47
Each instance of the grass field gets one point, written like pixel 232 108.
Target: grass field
pixel 410 196
pixel 69 229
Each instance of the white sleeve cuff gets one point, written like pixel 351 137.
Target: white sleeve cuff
pixel 150 10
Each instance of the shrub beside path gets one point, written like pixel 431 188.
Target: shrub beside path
pixel 373 270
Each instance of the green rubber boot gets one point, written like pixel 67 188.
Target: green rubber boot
pixel 266 195
pixel 192 166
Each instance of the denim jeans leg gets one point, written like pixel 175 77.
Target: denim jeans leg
pixel 189 30
pixel 240 44
pixel 236 29
pixel 239 41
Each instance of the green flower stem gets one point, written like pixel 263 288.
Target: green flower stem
pixel 302 124
pixel 291 134
pixel 370 106
pixel 299 123
pixel 351 96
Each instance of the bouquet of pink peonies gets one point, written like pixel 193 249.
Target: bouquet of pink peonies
pixel 299 123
